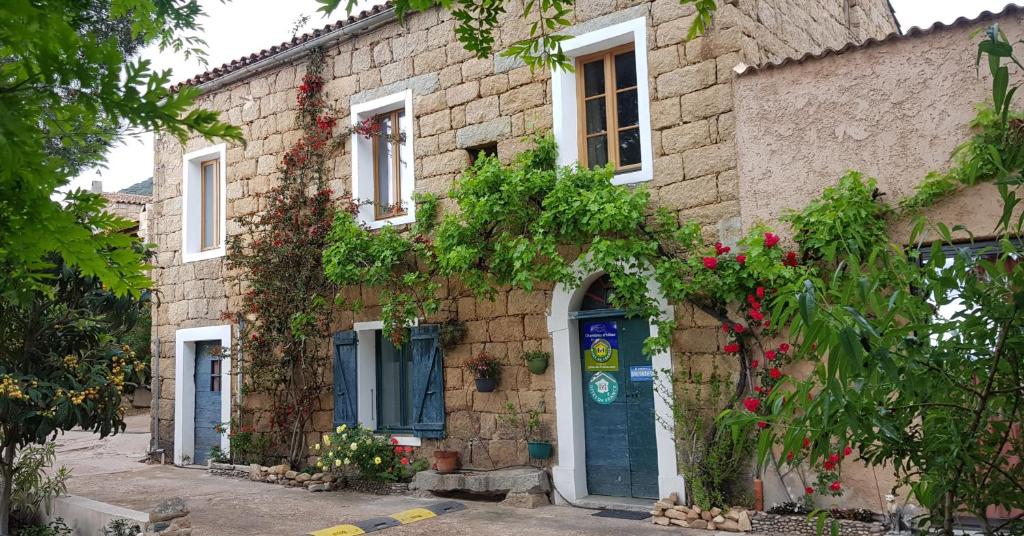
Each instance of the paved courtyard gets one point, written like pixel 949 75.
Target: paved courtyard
pixel 108 471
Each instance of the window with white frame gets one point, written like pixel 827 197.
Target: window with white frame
pixel 382 161
pixel 602 110
pixel 203 204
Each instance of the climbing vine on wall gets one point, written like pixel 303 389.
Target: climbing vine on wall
pixel 286 298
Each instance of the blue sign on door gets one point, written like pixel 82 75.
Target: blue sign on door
pixel 641 373
pixel 600 346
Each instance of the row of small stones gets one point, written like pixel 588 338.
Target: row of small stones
pixel 278 474
pixel 799 525
pixel 668 511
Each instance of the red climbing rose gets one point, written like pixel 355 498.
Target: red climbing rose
pixel 710 263
pixel 720 249
pixel 742 259
pixel 835 486
pixel 775 373
pixel 809 490
pixel 770 355
pixel 770 240
pixel 751 404
pixel 732 347
pixel 784 347
pixel 847 451
pixel 789 259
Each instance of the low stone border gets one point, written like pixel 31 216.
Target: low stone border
pixel 667 512
pixel 86 516
pixel 800 525
pixel 279 474
pixel 376 488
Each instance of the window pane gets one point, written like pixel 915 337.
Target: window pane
pixel 389 384
pixel 628 112
pixel 593 78
pixel 625 70
pixel 597 150
pixel 398 132
pixel 383 191
pixel 209 180
pixel 629 147
pixel 597 117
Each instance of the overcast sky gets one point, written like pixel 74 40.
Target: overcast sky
pixel 239 28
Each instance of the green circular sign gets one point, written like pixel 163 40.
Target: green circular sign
pixel 603 388
pixel 601 350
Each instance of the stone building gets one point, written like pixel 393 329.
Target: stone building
pixel 680 140
pixel 131 203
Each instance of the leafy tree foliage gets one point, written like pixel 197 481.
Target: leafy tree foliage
pixel 476 22
pixel 66 85
pixel 62 364
pixel 923 372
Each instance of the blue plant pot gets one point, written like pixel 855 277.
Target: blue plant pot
pixel 486 385
pixel 539 450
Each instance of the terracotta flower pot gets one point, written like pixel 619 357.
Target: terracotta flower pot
pixel 446 461
pixel 758 495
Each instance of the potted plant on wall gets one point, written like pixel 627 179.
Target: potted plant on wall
pixel 486 369
pixel 536 361
pixel 537 446
pixel 529 425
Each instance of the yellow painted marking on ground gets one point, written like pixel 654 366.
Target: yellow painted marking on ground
pixel 410 516
pixel 340 530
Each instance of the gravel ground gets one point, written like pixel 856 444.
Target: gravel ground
pixel 108 470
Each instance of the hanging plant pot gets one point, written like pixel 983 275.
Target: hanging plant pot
pixel 446 461
pixel 486 385
pixel 537 364
pixel 539 450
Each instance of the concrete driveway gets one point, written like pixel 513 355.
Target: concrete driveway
pixel 108 471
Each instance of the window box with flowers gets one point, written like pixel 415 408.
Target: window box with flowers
pixel 486 370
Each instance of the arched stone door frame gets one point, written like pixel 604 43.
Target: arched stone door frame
pixel 570 473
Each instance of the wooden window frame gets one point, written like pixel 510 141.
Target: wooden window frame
pixel 610 95
pixel 380 212
pixel 203 200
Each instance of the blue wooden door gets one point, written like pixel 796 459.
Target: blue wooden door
pixel 208 393
pixel 618 408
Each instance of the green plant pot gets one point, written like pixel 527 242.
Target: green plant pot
pixel 537 365
pixel 539 450
pixel 486 385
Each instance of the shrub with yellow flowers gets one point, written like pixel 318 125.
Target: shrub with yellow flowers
pixel 374 457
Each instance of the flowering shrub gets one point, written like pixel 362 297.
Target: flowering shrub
pixel 375 457
pixel 483 365
pixel 276 259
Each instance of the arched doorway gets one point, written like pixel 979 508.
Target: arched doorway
pixel 610 442
pixel 618 398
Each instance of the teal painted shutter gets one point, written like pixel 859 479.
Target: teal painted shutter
pixel 345 391
pixel 427 383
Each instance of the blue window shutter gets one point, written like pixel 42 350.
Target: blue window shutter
pixel 346 403
pixel 427 383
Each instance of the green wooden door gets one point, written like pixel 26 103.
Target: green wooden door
pixel 618 408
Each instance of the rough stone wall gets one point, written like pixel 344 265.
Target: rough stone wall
pixel 460 102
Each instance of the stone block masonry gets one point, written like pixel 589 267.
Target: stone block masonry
pixel 461 103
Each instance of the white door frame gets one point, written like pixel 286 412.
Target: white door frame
pixel 185 388
pixel 570 470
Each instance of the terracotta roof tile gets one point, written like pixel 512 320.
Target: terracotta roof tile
pixel 914 31
pixel 131 199
pixel 234 65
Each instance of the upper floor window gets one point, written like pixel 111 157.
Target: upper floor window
pixel 387 165
pixel 609 108
pixel 602 110
pixel 203 204
pixel 382 160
